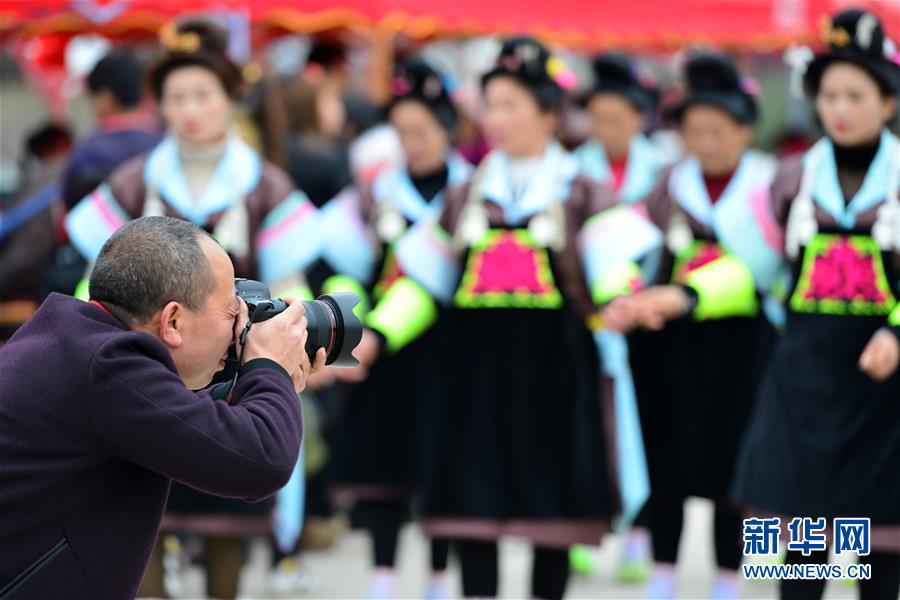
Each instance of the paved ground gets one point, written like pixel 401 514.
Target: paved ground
pixel 342 571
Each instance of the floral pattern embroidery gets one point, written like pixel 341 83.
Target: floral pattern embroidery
pixel 391 272
pixel 507 269
pixel 843 274
pixel 698 254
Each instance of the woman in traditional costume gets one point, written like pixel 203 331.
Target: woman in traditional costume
pixel 824 439
pixel 620 103
pixel 695 380
pixel 514 257
pixel 388 416
pixel 618 152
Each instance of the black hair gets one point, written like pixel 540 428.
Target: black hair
pixel 48 138
pixel 524 60
pixel 197 43
pixel 615 74
pixel 713 80
pixel 329 54
pixel 416 81
pixel 120 74
pixel 857 37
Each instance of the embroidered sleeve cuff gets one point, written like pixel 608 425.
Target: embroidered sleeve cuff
pixel 724 289
pixel 404 313
pixel 894 321
pixel 619 280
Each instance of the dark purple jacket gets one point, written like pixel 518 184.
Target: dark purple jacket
pixel 94 424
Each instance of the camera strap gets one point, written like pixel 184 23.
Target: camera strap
pixel 242 338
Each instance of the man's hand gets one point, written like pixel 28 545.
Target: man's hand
pixel 239 323
pixel 281 338
pixel 881 356
pixel 306 371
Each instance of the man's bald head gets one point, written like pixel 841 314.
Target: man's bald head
pixel 152 261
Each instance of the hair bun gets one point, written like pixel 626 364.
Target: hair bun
pixel 193 35
pixel 712 72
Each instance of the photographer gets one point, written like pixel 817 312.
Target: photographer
pixel 97 412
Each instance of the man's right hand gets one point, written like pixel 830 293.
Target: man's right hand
pixel 281 338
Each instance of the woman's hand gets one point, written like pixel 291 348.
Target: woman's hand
pixel 882 354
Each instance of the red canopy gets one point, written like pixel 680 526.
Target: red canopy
pixel 761 25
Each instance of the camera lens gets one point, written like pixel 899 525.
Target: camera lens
pixel 333 326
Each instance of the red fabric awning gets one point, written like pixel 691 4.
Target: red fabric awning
pixel 761 25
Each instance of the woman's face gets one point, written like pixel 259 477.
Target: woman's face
pixel 422 137
pixel 513 121
pixel 615 122
pixel 850 104
pixel 715 138
pixel 195 105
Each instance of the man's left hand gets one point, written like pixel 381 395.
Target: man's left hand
pixel 305 369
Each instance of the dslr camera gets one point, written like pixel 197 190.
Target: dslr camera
pixel 331 322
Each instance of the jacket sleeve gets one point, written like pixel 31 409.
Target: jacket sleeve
pixel 431 270
pixel 612 241
pixel 142 412
pixel 727 286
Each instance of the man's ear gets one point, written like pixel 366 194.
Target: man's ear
pixel 171 324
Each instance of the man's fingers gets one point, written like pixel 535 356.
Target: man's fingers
pixel 295 309
pixel 241 320
pixel 304 330
pixel 319 363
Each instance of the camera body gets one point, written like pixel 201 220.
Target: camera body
pixel 331 322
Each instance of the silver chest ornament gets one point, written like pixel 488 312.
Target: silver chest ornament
pixel 232 230
pixel 473 224
pixel 886 230
pixel 547 227
pixel 390 224
pixel 801 225
pixel 678 235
